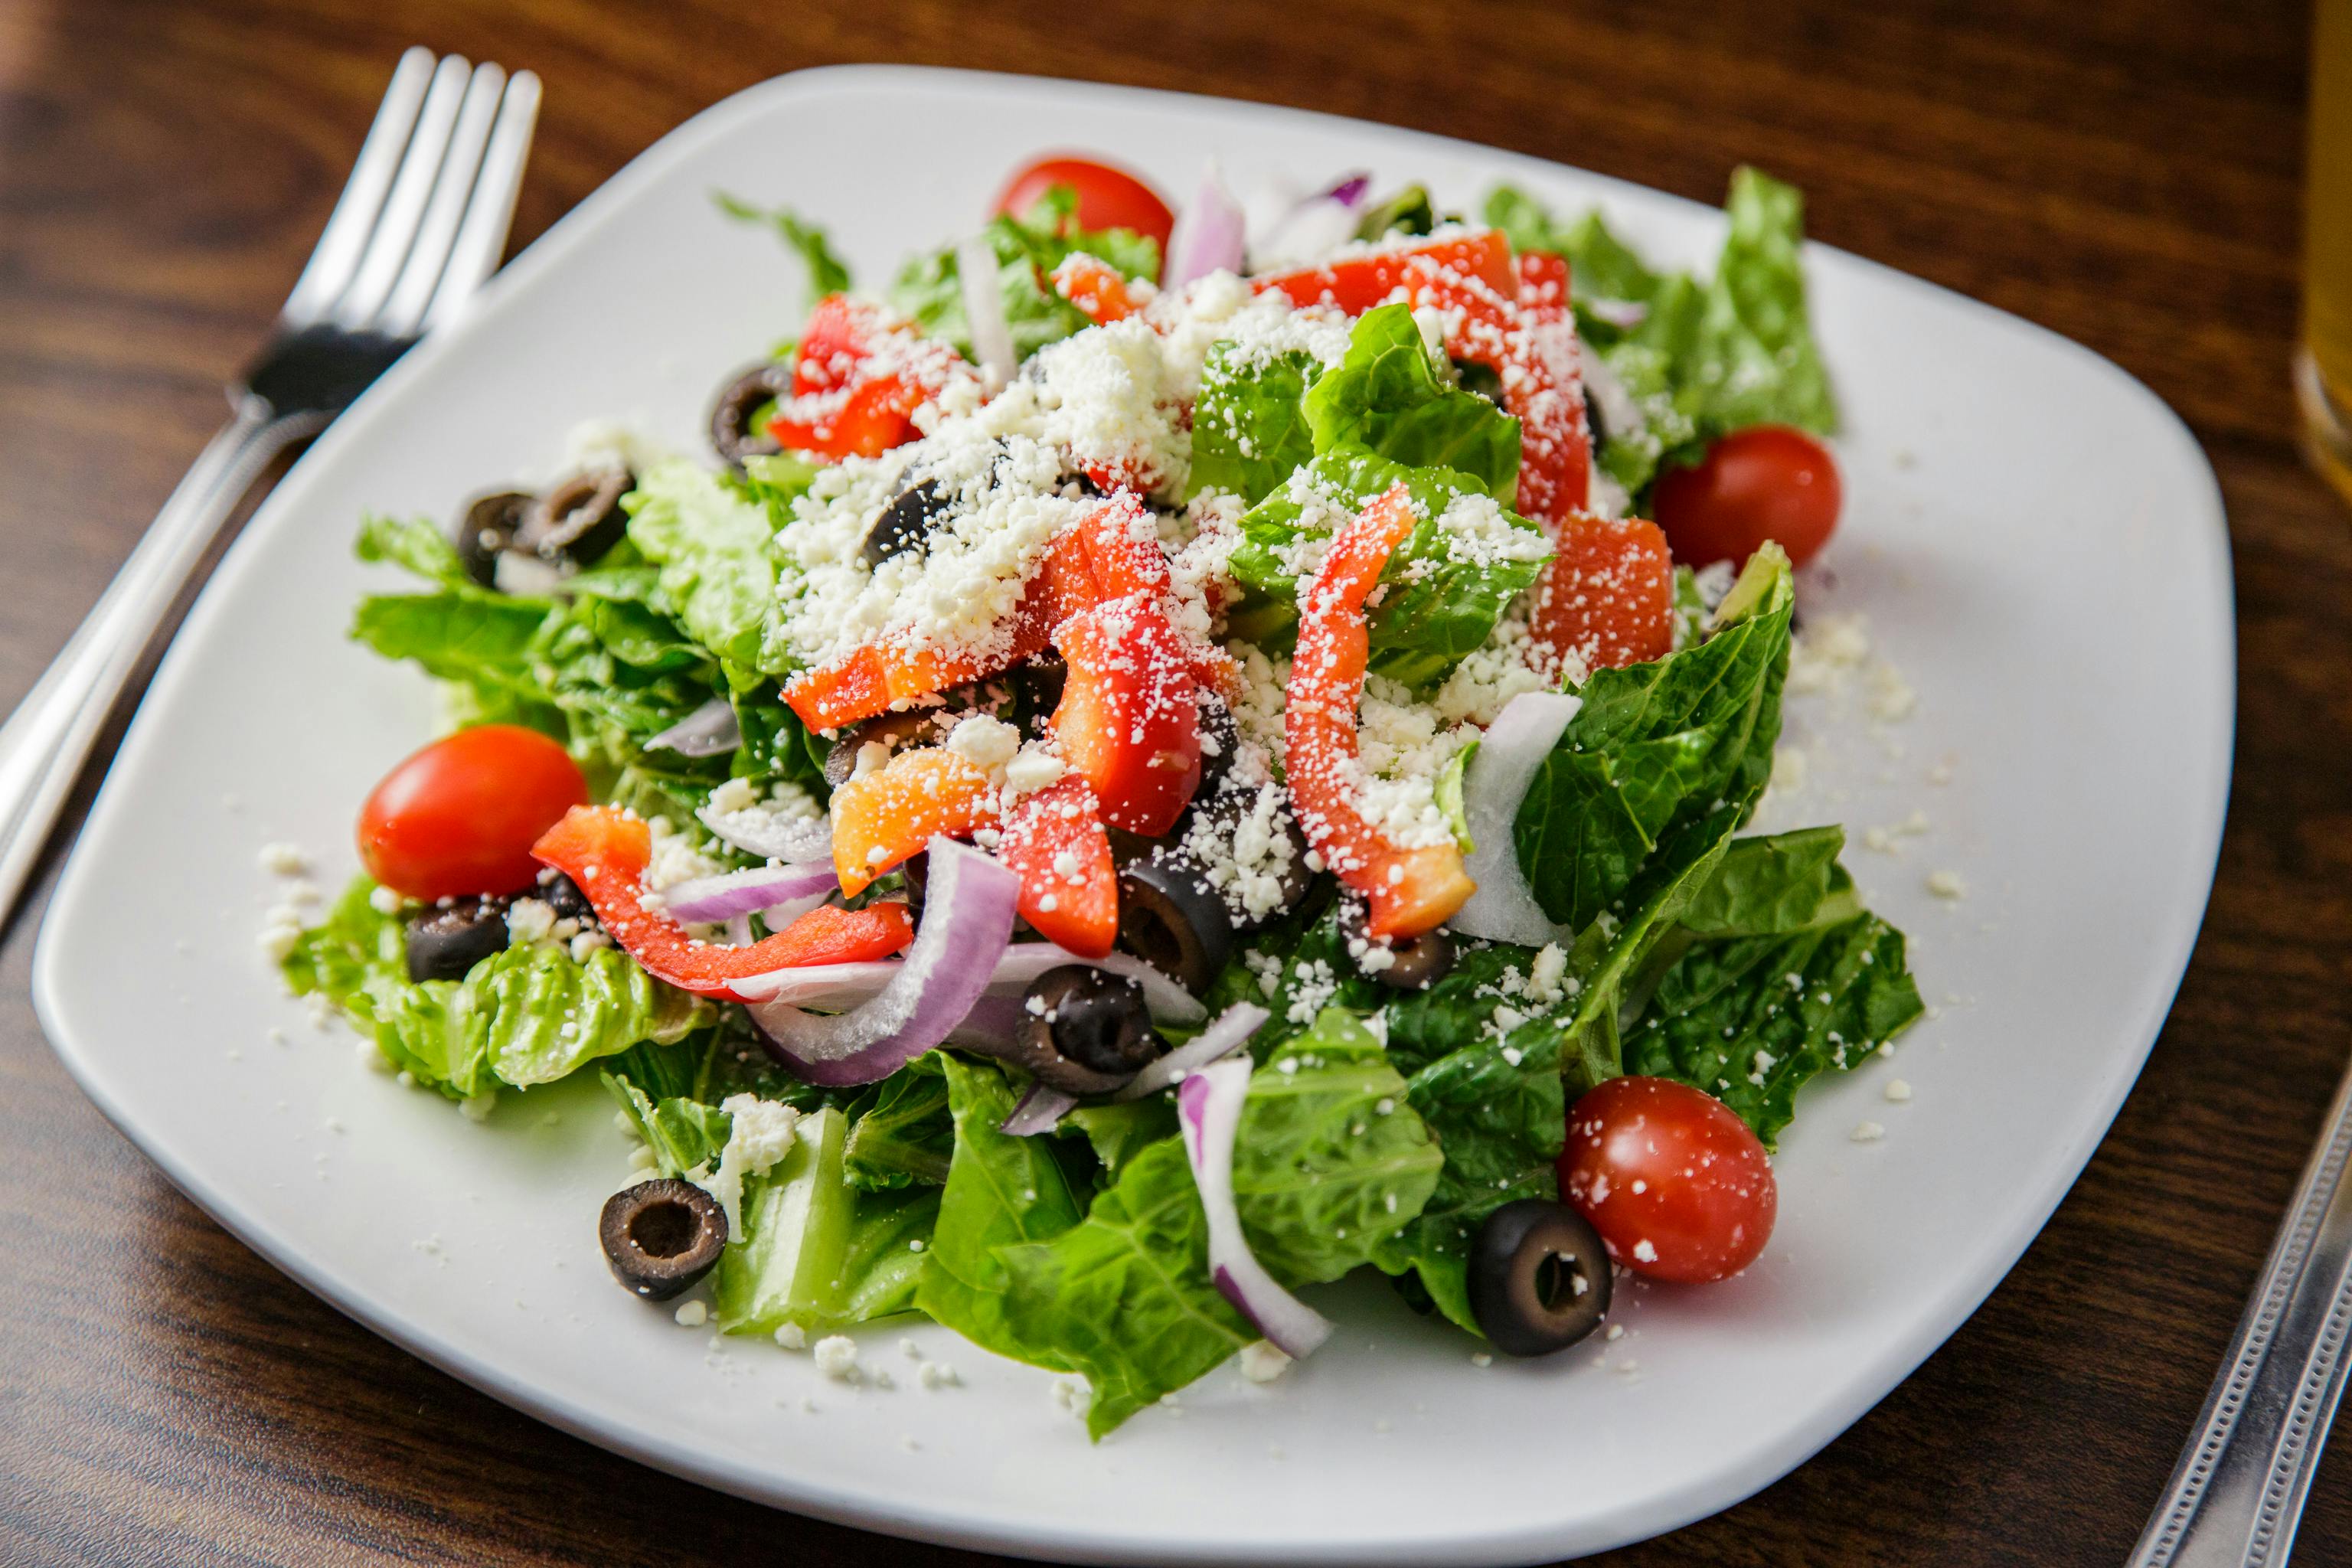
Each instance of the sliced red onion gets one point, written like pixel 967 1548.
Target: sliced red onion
pixel 1315 228
pixel 722 898
pixel 1209 1107
pixel 771 834
pixel 991 1022
pixel 705 732
pixel 1229 1031
pixel 739 931
pixel 1209 236
pixel 843 985
pixel 1504 909
pixel 1039 1110
pixel 967 921
pixel 982 277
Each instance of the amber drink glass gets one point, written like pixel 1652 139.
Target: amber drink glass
pixel 2322 366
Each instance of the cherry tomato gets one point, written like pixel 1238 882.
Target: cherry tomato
pixel 1767 481
pixel 1107 197
pixel 460 816
pixel 1677 1185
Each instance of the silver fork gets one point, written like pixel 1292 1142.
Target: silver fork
pixel 421 222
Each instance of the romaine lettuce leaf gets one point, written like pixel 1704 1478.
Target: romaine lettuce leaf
pixel 1393 396
pixel 827 273
pixel 1323 1177
pixel 1001 1191
pixel 712 543
pixel 1656 746
pixel 1441 600
pixel 1332 1160
pixel 1697 360
pixel 523 1016
pixel 900 1132
pixel 1249 422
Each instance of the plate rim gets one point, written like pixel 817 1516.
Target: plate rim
pixel 878 1506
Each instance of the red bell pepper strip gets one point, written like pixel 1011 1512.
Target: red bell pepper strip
pixel 1129 718
pixel 1110 553
pixel 1409 891
pixel 890 814
pixel 1356 283
pixel 1608 596
pixel 859 377
pixel 605 850
pixel 1055 841
pixel 1097 289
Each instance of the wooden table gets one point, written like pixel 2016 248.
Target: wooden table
pixel 2126 174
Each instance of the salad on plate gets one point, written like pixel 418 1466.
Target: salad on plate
pixel 1159 761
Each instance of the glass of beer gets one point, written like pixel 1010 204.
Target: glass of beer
pixel 2322 366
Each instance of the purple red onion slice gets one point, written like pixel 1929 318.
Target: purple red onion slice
pixel 1209 1106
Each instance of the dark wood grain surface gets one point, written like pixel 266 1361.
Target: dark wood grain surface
pixel 2126 174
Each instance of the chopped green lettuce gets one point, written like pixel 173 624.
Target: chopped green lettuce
pixel 1684 738
pixel 1249 422
pixel 900 1134
pixel 714 546
pixel 1697 360
pixel 929 287
pixel 1395 395
pixel 525 1015
pixel 1443 595
pixel 827 273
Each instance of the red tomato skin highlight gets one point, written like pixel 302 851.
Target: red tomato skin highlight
pixel 460 816
pixel 1769 481
pixel 1108 197
pixel 1676 1183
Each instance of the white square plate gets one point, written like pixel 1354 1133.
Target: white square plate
pixel 2037 541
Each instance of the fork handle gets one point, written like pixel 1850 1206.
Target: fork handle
pixel 47 739
pixel 2238 1491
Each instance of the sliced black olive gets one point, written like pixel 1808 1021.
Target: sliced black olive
pixel 1538 1278
pixel 913 727
pixel 1221 737
pixel 732 434
pixel 917 869
pixel 444 943
pixel 1599 432
pixel 660 1237
pixel 563 895
pixel 1170 917
pixel 577 519
pixel 907 521
pixel 1082 1030
pixel 1214 818
pixel 489 528
pixel 1415 965
pixel 1036 684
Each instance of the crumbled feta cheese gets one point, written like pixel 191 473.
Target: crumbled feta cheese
pixel 758 1134
pixel 1262 1361
pixel 1033 768
pixel 792 1337
pixel 478 1107
pixel 1898 1089
pixel 837 1357
pixel 1643 1252
pixel 691 1314
pixel 530 920
pixel 284 859
pixel 987 743
pixel 938 1375
pixel 1867 1133
pixel 1947 885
